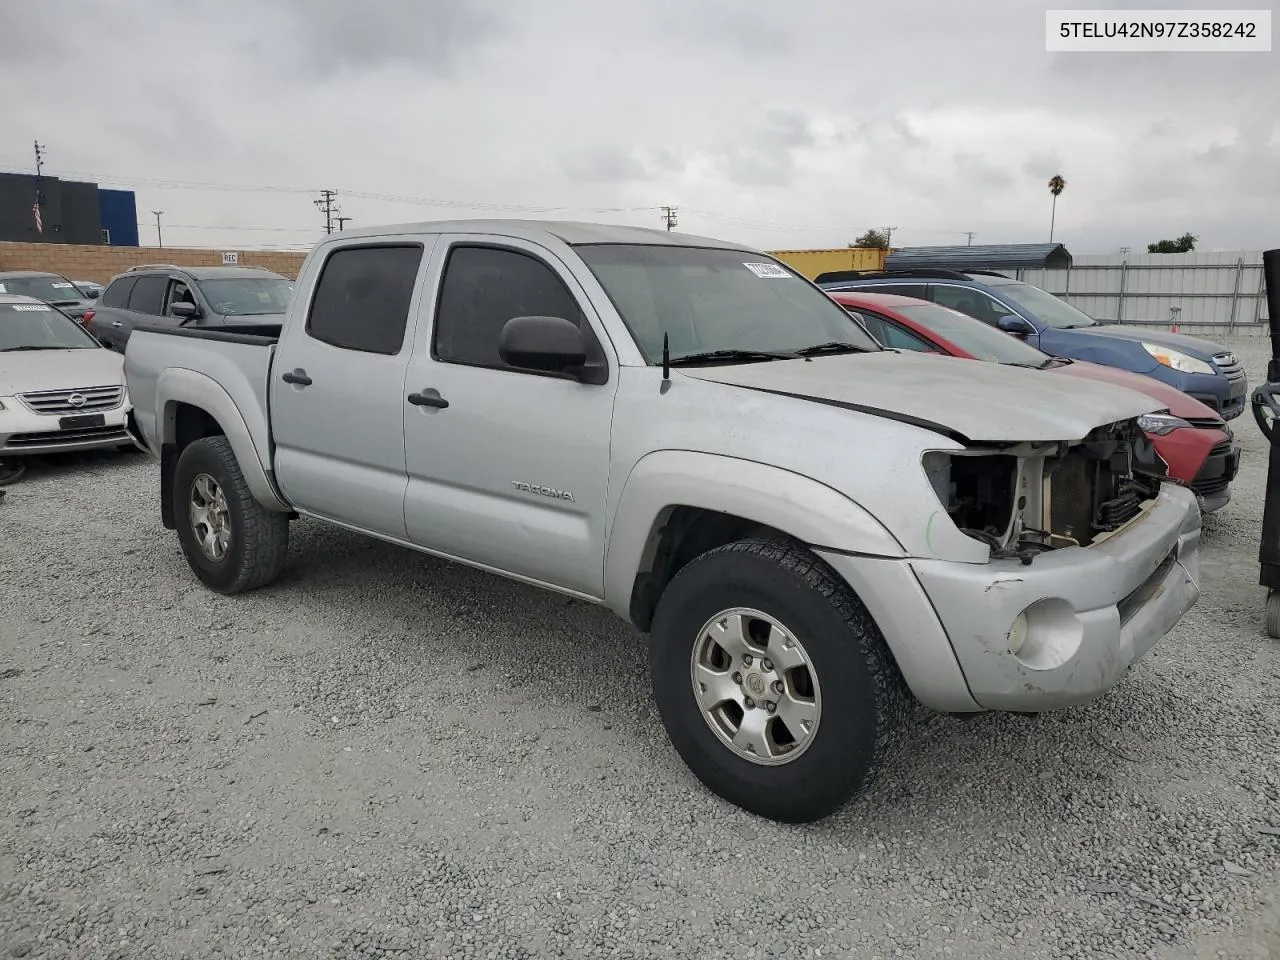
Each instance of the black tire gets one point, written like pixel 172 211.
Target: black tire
pixel 259 540
pixel 865 702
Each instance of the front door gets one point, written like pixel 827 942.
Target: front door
pixel 337 388
pixel 507 468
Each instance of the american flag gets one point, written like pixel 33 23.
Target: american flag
pixel 35 210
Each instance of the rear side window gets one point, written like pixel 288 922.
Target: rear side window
pixel 898 339
pixel 148 295
pixel 117 294
pixel 362 298
pixel 483 288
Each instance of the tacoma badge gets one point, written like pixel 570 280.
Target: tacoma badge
pixel 543 491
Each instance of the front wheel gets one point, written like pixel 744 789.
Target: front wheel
pixel 231 541
pixel 773 681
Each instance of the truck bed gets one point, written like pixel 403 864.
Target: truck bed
pixel 238 361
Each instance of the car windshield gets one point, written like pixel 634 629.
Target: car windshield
pixel 49 289
pixel 1045 307
pixel 973 336
pixel 711 300
pixel 247 296
pixel 38 326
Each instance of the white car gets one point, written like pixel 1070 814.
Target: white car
pixel 60 389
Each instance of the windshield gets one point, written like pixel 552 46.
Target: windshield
pixel 1045 307
pixel 711 300
pixel 247 296
pixel 973 336
pixel 50 289
pixel 38 326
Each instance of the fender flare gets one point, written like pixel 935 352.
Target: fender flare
pixel 177 385
pixel 812 512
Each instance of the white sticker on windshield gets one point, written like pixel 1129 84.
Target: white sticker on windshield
pixel 2 289
pixel 63 286
pixel 768 271
pixel 31 307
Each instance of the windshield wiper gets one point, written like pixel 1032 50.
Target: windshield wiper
pixel 1054 362
pixel 744 356
pixel 64 303
pixel 16 349
pixel 833 346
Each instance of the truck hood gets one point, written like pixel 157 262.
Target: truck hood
pixel 31 370
pixel 1194 346
pixel 958 398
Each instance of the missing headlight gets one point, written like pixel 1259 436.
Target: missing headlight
pixel 978 493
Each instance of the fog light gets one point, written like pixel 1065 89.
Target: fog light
pixel 1018 633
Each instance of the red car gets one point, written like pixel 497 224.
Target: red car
pixel 1192 439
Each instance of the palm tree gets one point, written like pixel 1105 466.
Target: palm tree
pixel 1056 186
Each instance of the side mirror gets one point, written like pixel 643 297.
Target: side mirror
pixel 1010 323
pixel 547 344
pixel 184 311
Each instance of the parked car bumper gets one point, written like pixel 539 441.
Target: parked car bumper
pixel 23 433
pixel 1227 393
pixel 1091 613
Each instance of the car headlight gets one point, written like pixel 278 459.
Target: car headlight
pixel 1161 424
pixel 1176 359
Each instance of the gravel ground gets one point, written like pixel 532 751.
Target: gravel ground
pixel 387 755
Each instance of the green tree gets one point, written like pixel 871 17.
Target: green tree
pixel 1184 244
pixel 872 240
pixel 1056 186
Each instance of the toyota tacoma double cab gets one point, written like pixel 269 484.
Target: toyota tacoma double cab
pixel 810 529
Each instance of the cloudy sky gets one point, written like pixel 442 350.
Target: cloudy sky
pixel 779 124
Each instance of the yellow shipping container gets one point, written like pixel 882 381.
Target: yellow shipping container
pixel 811 263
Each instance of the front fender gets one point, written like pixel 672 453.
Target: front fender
pixel 177 385
pixel 805 509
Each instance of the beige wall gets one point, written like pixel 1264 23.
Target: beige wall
pixel 101 263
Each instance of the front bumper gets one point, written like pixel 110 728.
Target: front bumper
pixel 1212 484
pixel 1092 613
pixel 1225 392
pixel 27 434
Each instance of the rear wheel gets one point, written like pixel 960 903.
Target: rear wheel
pixel 772 680
pixel 231 541
pixel 1273 614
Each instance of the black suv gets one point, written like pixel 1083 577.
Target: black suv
pixel 164 294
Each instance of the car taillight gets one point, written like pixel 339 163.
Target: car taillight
pixel 84 320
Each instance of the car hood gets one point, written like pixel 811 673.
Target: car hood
pixel 1177 402
pixel 1200 349
pixel 967 400
pixel 30 370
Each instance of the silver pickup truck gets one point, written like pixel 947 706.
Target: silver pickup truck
pixel 811 529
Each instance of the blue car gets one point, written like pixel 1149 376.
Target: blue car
pixel 1201 368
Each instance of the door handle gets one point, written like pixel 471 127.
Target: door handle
pixel 296 376
pixel 428 399
pixel 116 323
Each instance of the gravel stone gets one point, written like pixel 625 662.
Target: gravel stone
pixel 385 755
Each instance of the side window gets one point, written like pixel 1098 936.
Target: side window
pixel 148 295
pixel 179 292
pixel 483 288
pixel 362 298
pixel 916 290
pixel 971 302
pixel 897 338
pixel 117 294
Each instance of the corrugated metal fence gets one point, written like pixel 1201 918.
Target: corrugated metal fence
pixel 1194 291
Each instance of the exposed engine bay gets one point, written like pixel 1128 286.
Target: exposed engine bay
pixel 1027 498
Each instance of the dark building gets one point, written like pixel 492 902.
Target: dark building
pixel 70 212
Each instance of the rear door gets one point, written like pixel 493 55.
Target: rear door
pixel 145 307
pixel 508 469
pixel 108 321
pixel 337 385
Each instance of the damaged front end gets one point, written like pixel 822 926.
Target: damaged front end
pixel 1023 499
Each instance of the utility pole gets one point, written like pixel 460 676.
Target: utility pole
pixel 159 236
pixel 39 201
pixel 669 216
pixel 325 204
pixel 888 237
pixel 969 234
pixel 340 221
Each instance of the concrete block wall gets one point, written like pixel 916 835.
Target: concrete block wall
pixel 101 263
